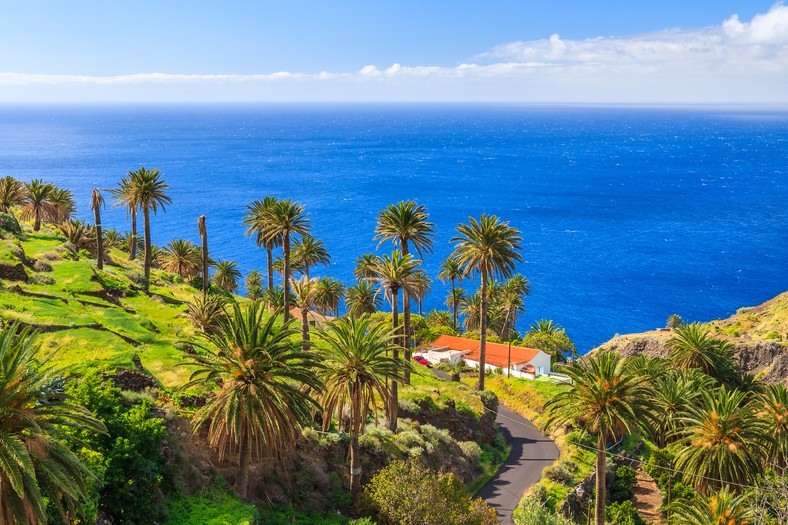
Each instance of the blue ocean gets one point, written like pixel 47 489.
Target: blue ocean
pixel 628 214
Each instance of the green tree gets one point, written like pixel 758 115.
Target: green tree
pixel 63 205
pixel 12 193
pixel 206 311
pixel 606 398
pixel 37 204
pixel 37 421
pixel 487 248
pixel 672 396
pixel 180 257
pixel 723 439
pixel 722 508
pixel 471 309
pixel 260 403
pixel 773 410
pixel 309 251
pixel 305 290
pixel 148 193
pixel 512 302
pixel 451 272
pixel 357 372
pixel 693 346
pixel 226 276
pixel 365 266
pixel 255 222
pixel 395 273
pixel 96 203
pixel 254 285
pixel 549 337
pixel 407 223
pixel 362 298
pixel 330 293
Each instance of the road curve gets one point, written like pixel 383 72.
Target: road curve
pixel 531 452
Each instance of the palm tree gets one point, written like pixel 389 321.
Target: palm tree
pixel 722 508
pixel 96 202
pixel 674 321
pixel 281 220
pixel 723 438
pixel 255 222
pixel 112 239
pixel 330 292
pixel 404 223
pixel 206 312
pixel 124 197
pixel 774 411
pixel 63 205
pixel 226 276
pixel 512 302
pixel 435 318
pixel 362 298
pixel 608 400
pixel 672 396
pixel 395 273
pixel 693 346
pixel 254 285
pixel 180 257
pixel 423 285
pixel 486 248
pixel 309 251
pixel 471 308
pixel 202 229
pixel 305 290
pixel 357 372
pixel 36 204
pixel 148 194
pixel 260 403
pixel 452 272
pixel 12 193
pixel 37 423
pixel 365 266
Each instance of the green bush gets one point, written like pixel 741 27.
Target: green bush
pixel 43 280
pixel 215 506
pixel 559 473
pixel 138 278
pixel 9 223
pixel 112 283
pixel 623 486
pixel 531 511
pixel 490 401
pixel 471 450
pixel 623 513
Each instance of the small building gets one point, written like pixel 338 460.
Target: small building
pixel 315 319
pixel 524 362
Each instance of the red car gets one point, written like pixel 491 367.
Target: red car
pixel 422 360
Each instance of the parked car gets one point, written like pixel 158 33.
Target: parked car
pixel 420 359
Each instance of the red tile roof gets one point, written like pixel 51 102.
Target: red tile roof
pixel 497 353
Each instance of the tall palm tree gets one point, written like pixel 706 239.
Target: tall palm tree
pixel 722 508
pixel 305 290
pixel 774 411
pixel 330 293
pixel 365 266
pixel 260 403
pixel 395 273
pixel 309 251
pixel 37 422
pixel 202 229
pixel 452 272
pixel 255 222
pixel 148 191
pixel 423 285
pixel 471 308
pixel 12 193
pixel 606 398
pixel 281 220
pixel 36 204
pixel 454 300
pixel 362 298
pixel 254 285
pixel 512 302
pixel 723 438
pixel 124 198
pixel 693 346
pixel 63 205
pixel 406 223
pixel 96 203
pixel 672 396
pixel 486 248
pixel 226 276
pixel 357 372
pixel 181 257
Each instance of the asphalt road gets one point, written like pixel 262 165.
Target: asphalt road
pixel 531 452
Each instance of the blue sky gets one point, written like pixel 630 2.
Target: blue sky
pixel 527 50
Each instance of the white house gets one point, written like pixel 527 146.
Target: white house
pixel 523 361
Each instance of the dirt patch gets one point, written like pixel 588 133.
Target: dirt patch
pixel 13 272
pixel 648 498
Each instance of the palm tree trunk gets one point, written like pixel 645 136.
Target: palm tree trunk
pixel 455 304
pixel 133 241
pixel 355 460
pixel 406 315
pixel 269 253
pixel 286 284
pixel 305 328
pixel 146 218
pixel 599 503
pixel 99 239
pixel 394 401
pixel 483 334
pixel 37 223
pixel 242 483
pixel 204 234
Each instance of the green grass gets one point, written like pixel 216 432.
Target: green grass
pixel 212 507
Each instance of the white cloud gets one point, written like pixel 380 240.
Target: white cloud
pixel 735 61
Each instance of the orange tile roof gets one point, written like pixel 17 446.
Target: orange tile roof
pixel 497 353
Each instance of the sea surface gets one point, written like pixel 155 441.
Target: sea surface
pixel 628 214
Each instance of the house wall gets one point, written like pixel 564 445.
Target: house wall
pixel 542 363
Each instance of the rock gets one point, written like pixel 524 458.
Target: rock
pixel 134 381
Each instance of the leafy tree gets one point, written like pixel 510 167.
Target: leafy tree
pixel 436 318
pixel 12 193
pixel 722 508
pixel 471 308
pixel 148 193
pixel 256 222
pixel 422 286
pixel 37 421
pixel 672 396
pixel 605 398
pixel 181 257
pixel 362 298
pixel 486 248
pixel 63 205
pixel 623 513
pixel 723 439
pixel 452 272
pixel 357 372
pixel 550 338
pixel 37 204
pixel 409 493
pixel 532 511
pixel 260 403
pixel 226 276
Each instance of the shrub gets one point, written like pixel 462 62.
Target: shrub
pixel 559 474
pixel 531 511
pixel 42 266
pixel 471 450
pixel 407 405
pixel 490 401
pixel 112 283
pixel 43 280
pixel 214 506
pixel 623 513
pixel 623 486
pixel 137 277
pixel 9 223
